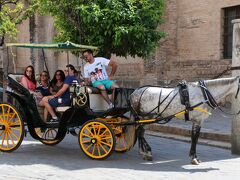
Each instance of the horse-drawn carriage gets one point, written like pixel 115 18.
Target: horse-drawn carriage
pixel 103 130
pixel 98 134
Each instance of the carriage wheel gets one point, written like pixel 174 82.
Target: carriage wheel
pixel 11 128
pixel 48 135
pixel 96 139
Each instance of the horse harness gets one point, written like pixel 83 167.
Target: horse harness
pixel 184 97
pixel 207 95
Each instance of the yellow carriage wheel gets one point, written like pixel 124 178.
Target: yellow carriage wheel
pixel 48 135
pixel 11 128
pixel 96 139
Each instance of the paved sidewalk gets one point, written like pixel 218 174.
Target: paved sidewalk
pixel 217 127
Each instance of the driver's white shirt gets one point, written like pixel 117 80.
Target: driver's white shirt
pixel 96 71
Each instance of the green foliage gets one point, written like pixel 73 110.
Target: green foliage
pixel 12 13
pixel 123 27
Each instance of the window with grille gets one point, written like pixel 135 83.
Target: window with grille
pixel 230 13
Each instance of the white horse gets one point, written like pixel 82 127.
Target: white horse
pixel 152 101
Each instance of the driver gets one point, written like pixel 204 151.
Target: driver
pixel 62 97
pixel 96 74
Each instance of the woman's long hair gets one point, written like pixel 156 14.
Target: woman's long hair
pixel 32 78
pixel 54 80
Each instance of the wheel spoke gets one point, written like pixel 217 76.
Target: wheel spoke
pixel 98 149
pixel 89 131
pixel 16 136
pixel 12 117
pixel 7 139
pixel 1 133
pixel 3 112
pixel 14 124
pixel 93 150
pixel 86 135
pixel 3 138
pixel 86 141
pixel 103 148
pixel 8 112
pixel 11 139
pixel 89 146
pixel 105 138
pixel 105 143
pixel 101 135
pixel 16 129
pixel 94 130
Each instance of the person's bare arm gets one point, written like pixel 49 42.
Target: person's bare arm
pixel 62 90
pixel 87 81
pixel 114 66
pixel 24 82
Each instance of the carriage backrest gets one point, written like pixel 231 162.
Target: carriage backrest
pixel 122 97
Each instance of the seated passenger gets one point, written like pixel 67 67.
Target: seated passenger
pixel 28 80
pixel 57 82
pixel 43 84
pixel 95 73
pixel 43 89
pixel 62 97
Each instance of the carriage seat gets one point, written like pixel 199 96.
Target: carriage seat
pixel 61 109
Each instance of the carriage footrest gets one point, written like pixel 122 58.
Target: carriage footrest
pixel 62 108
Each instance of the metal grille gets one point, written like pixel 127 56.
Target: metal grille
pixel 230 14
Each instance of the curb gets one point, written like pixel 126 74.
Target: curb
pixel 219 144
pixel 215 136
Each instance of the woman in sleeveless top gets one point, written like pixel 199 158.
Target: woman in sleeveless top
pixel 57 82
pixel 28 80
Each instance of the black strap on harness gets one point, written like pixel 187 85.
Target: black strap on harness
pixel 184 97
pixel 207 95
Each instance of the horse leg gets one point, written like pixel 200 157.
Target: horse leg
pixel 144 148
pixel 194 139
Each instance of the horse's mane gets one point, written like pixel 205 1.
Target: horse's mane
pixel 221 81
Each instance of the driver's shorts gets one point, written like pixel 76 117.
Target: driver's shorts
pixel 107 83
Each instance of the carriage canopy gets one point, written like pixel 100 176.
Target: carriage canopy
pixel 62 46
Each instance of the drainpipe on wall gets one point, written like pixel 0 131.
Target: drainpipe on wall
pixel 235 139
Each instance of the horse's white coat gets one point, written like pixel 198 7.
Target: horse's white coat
pixel 145 100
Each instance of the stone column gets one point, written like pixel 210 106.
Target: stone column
pixel 235 139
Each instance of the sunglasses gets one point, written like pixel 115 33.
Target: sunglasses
pixel 28 70
pixel 58 74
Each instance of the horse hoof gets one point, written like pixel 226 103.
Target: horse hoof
pixel 147 158
pixel 146 155
pixel 195 161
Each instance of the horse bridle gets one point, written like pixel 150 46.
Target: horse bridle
pixel 209 99
pixel 238 87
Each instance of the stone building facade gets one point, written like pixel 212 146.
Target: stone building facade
pixel 192 50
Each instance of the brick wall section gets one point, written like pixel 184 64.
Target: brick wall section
pixel 194 50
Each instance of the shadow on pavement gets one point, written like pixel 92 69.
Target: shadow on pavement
pixel 168 155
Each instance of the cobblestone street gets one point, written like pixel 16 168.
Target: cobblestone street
pixel 66 161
